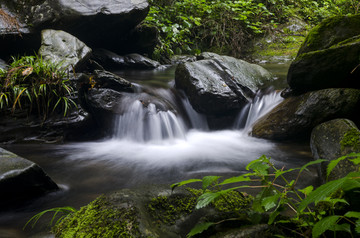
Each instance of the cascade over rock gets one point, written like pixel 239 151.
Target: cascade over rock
pixel 21 180
pixel 63 49
pixel 295 117
pixel 220 84
pixel 333 139
pixel 96 22
pixel 329 57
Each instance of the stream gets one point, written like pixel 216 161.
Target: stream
pixel 150 146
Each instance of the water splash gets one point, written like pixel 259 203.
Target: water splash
pixel 146 123
pixel 261 105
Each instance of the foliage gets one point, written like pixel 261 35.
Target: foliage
pixel 224 26
pixel 65 211
pixel 35 84
pixel 315 211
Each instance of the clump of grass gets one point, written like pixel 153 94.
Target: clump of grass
pixel 32 84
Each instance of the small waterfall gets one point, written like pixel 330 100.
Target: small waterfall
pixel 261 105
pixel 198 121
pixel 146 123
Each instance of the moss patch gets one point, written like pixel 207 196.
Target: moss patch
pixel 351 139
pixel 167 210
pixel 99 219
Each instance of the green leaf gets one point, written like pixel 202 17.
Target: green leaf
pixel 206 198
pixel 209 180
pixel 333 164
pixel 323 225
pixel 237 179
pixel 270 202
pixel 322 192
pixel 306 190
pixel 352 214
pixel 343 227
pixel 273 216
pixel 199 228
pixel 281 172
pixel 173 186
pixel 311 163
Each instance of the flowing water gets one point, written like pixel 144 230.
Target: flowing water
pixel 157 142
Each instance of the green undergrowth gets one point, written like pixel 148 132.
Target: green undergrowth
pixel 226 26
pixel 36 86
pixel 99 219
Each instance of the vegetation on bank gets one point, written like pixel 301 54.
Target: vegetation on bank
pixel 34 85
pixel 226 26
pixel 329 209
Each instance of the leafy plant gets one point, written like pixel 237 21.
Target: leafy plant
pixel 315 211
pixel 65 211
pixel 33 83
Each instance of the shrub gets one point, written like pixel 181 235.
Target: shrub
pixel 32 83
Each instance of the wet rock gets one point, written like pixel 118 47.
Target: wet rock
pixel 220 84
pixel 105 79
pixel 178 59
pixel 333 139
pixel 17 128
pixel 153 211
pixel 335 67
pixel 111 60
pixel 295 117
pixel 329 56
pixel 21 180
pixel 96 22
pixel 63 49
pixel 330 32
pixel 138 61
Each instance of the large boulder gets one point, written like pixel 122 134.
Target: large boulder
pixel 333 139
pixel 105 79
pixel 63 49
pixel 330 32
pixel 96 22
pixel 329 56
pixel 295 117
pixel 220 84
pixel 21 180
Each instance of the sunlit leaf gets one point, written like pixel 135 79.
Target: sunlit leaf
pixel 323 225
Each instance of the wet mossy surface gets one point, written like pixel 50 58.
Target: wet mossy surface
pixel 100 219
pixel 351 139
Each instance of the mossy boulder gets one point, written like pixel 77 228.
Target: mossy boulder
pixel 333 139
pixel 335 67
pixel 329 56
pixel 295 117
pixel 152 212
pixel 330 32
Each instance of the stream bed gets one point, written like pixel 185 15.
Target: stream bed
pixel 168 152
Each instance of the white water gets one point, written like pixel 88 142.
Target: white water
pixel 149 139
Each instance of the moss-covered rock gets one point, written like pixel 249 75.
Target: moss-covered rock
pixel 100 218
pixel 335 67
pixel 150 212
pixel 331 32
pixel 333 139
pixel 295 117
pixel 329 56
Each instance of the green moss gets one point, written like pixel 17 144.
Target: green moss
pixel 169 209
pixel 351 139
pixel 99 219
